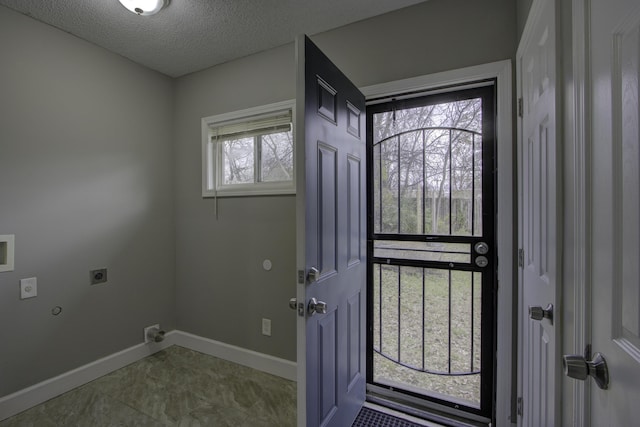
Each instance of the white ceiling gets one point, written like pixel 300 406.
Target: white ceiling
pixel 191 35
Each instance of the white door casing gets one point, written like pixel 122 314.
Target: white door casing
pixel 539 219
pixel 614 64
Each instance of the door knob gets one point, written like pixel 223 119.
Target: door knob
pixel 539 313
pixel 482 261
pixel 313 275
pixel 578 367
pixel 316 306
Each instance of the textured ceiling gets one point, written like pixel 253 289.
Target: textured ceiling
pixel 190 35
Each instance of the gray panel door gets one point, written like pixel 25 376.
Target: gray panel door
pixel 331 241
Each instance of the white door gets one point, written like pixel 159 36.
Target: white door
pixel 331 227
pixel 615 212
pixel 539 234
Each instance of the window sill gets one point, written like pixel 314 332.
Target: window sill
pixel 249 192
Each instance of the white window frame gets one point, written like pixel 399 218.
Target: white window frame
pixel 212 170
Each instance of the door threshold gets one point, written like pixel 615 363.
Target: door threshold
pixel 427 416
pixel 410 420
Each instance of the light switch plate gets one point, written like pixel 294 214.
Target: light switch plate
pixel 28 288
pixel 266 327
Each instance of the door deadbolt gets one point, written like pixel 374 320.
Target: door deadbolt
pixel 313 275
pixel 481 248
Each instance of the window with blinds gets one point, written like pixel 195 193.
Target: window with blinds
pixel 249 152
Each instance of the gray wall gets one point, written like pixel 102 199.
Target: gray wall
pixel 222 292
pixel 523 7
pixel 95 150
pixel 85 182
pixel 434 36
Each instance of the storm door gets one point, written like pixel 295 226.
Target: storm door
pixel 431 250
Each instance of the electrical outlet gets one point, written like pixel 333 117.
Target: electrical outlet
pixel 266 327
pixel 28 288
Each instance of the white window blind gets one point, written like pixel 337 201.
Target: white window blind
pixel 255 126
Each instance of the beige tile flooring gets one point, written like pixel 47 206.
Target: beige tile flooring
pixel 175 387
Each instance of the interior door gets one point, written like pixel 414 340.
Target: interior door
pixel 539 232
pixel 331 227
pixel 615 59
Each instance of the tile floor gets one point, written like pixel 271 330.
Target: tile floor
pixel 175 387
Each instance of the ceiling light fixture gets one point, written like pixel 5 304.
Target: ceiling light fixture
pixel 144 7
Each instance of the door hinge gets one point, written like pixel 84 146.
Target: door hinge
pixel 520 107
pixel 519 406
pixel 520 257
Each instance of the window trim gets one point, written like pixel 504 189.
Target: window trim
pixel 212 182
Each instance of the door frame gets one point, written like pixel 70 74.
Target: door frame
pixel 504 410
pixel 577 164
pixel 397 390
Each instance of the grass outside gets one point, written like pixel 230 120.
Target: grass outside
pixel 430 318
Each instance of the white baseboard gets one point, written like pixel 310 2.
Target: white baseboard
pixel 36 394
pixel 262 362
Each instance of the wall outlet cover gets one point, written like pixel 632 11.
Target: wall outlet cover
pixel 28 288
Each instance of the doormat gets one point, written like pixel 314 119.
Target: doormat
pixel 371 418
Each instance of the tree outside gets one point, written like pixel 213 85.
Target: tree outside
pixel 427 180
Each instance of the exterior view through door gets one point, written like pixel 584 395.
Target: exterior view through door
pixel 431 250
